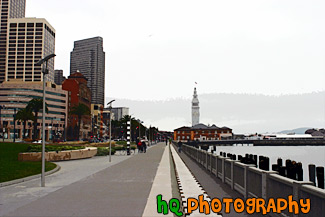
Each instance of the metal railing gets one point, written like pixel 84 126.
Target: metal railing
pixel 250 181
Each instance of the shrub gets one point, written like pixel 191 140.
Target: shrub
pixel 101 151
pixel 38 148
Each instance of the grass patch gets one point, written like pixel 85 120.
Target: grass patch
pixel 11 168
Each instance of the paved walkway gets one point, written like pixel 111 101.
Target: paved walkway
pixel 127 186
pixel 119 190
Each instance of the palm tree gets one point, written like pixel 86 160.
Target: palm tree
pixel 80 110
pixel 36 105
pixel 24 115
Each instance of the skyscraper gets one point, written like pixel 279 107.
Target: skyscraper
pixel 9 9
pixel 29 40
pixel 58 76
pixel 88 57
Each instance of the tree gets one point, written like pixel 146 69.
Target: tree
pixel 24 115
pixel 80 110
pixel 36 105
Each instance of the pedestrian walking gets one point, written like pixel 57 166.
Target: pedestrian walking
pixel 166 141
pixel 179 146
pixel 144 146
pixel 139 146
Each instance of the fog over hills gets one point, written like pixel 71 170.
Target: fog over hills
pixel 244 113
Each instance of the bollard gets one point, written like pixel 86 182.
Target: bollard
pixel 275 167
pixel 294 170
pixel 300 172
pixel 261 162
pixel 267 164
pixel 320 177
pixel 289 169
pixel 312 170
pixel 282 171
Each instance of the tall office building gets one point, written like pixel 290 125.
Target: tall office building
pixel 9 9
pixel 58 76
pixel 29 40
pixel 88 57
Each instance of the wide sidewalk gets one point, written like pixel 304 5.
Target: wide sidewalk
pixel 123 187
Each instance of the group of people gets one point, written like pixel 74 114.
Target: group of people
pixel 142 146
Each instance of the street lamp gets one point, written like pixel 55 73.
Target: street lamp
pixel 140 122
pixel 15 125
pixel 45 71
pixel 110 129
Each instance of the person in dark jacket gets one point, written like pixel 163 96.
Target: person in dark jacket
pixel 144 146
pixel 179 146
pixel 139 144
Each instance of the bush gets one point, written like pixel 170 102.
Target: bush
pixel 101 151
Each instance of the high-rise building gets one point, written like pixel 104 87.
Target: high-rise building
pixel 119 112
pixel 195 109
pixel 58 76
pixel 28 41
pixel 88 57
pixel 9 9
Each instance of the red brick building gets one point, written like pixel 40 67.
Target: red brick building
pixel 202 132
pixel 76 84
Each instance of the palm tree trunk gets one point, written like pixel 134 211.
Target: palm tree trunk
pixel 79 123
pixel 35 126
pixel 24 130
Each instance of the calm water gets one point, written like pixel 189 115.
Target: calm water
pixel 304 154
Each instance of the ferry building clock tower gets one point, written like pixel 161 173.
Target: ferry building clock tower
pixel 195 109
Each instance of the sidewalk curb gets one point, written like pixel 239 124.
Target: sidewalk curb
pixel 16 181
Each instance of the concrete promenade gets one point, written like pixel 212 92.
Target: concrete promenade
pixel 127 186
pixel 121 189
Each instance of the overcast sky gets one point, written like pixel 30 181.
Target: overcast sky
pixel 157 49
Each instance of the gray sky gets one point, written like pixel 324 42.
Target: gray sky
pixel 158 49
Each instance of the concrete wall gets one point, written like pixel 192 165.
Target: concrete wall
pixel 59 156
pixel 250 181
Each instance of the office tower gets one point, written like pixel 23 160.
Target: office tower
pixel 58 77
pixel 9 9
pixel 88 57
pixel 29 40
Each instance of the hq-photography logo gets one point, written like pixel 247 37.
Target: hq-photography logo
pixel 250 206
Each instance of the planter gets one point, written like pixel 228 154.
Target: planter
pixel 59 156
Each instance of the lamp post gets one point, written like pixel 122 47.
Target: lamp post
pixel 64 130
pixel 110 129
pixel 45 71
pixel 140 122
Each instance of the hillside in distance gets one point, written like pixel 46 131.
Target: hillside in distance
pixel 244 113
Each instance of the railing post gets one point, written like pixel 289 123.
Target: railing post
pixel 223 170
pixel 217 166
pixel 210 162
pixel 232 162
pixel 265 180
pixel 206 160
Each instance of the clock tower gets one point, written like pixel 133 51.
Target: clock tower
pixel 195 109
